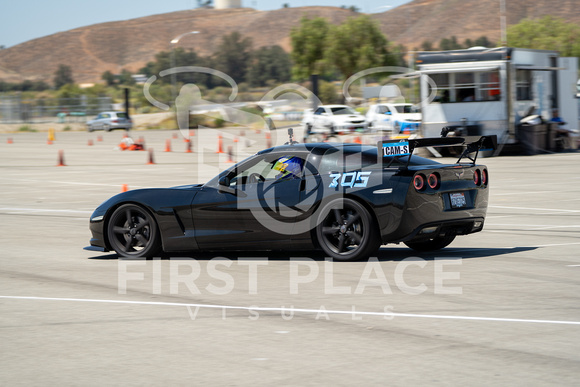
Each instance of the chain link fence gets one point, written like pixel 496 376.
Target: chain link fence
pixel 15 110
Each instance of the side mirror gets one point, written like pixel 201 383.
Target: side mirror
pixel 224 185
pixel 388 113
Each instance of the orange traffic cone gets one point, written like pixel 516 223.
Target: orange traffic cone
pixel 9 141
pixel 188 147
pixel 99 138
pixel 124 188
pixel 230 155
pixel 61 159
pixel 174 135
pixel 268 140
pixel 168 145
pixel 357 140
pixel 90 142
pixel 151 161
pixel 220 145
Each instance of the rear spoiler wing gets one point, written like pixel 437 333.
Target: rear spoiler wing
pixel 473 144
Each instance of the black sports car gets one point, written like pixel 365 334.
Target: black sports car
pixel 346 199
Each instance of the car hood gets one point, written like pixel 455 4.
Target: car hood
pixel 409 117
pixel 349 118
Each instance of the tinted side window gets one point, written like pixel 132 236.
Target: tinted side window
pixel 350 160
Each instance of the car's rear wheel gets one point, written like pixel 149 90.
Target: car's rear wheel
pixel 436 243
pixel 346 230
pixel 132 232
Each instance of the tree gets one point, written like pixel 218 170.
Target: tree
pixel 548 33
pixel 427 45
pixel 449 44
pixel 308 46
pixel 204 3
pixel 179 57
pixel 109 78
pixel 63 76
pixel 269 63
pixel 483 41
pixel 356 45
pixel 233 55
pixel 126 78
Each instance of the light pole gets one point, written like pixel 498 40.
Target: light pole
pixel 173 42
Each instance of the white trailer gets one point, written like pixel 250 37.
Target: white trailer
pixel 483 91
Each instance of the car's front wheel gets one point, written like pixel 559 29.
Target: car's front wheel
pixel 106 128
pixel 346 230
pixel 132 232
pixel 436 243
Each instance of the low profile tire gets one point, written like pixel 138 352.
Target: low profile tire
pixel 346 231
pixel 133 233
pixel 432 244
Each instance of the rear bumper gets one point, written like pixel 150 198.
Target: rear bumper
pixel 456 227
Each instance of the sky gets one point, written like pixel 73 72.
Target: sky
pixel 23 20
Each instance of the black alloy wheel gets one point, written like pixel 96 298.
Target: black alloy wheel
pixel 346 230
pixel 132 232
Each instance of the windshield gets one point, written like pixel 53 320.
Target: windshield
pixel 343 110
pixel 405 109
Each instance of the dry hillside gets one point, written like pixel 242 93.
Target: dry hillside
pixel 92 50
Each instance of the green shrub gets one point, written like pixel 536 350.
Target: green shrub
pixel 26 128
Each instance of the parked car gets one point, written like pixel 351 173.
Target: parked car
pixel 109 121
pixel 332 120
pixel 393 117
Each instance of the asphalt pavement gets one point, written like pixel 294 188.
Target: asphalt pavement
pixel 500 307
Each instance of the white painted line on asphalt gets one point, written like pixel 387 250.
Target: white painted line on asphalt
pixel 46 210
pixel 71 182
pixel 530 225
pixel 558 244
pixel 298 310
pixel 573 265
pixel 530 192
pixel 534 209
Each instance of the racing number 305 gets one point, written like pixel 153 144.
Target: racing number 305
pixel 350 179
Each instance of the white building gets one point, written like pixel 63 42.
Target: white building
pixel 223 4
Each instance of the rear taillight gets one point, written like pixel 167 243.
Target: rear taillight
pixel 477 177
pixel 484 178
pixel 434 181
pixel 419 182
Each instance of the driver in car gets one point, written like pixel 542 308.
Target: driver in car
pixel 289 167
